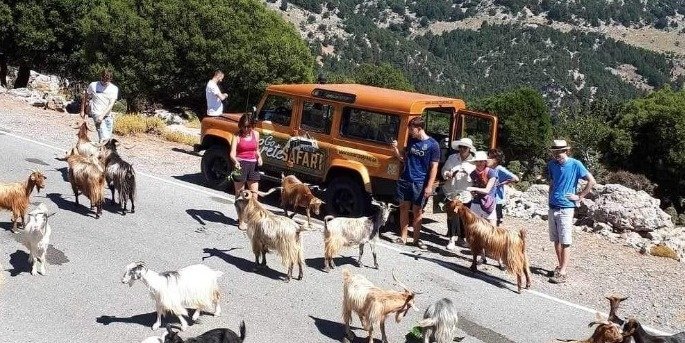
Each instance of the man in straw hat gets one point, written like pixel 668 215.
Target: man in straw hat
pixel 564 174
pixel 455 172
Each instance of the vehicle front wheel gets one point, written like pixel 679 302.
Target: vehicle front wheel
pixel 345 197
pixel 215 167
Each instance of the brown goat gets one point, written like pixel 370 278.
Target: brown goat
pixel 15 196
pixel 86 175
pixel 373 304
pixel 606 332
pixel 84 145
pixel 296 194
pixel 509 247
pixel 614 301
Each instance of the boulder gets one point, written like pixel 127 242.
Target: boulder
pixel 626 209
pixel 55 103
pixel 21 92
pixel 44 83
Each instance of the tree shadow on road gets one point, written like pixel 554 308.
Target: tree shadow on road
pixel 243 264
pixel 317 262
pixel 335 330
pixel 19 260
pixel 204 216
pixel 146 319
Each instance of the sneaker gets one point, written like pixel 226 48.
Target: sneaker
pixel 559 278
pixel 451 246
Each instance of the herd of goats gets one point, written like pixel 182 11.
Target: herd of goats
pixel 92 165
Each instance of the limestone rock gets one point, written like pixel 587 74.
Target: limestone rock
pixel 626 209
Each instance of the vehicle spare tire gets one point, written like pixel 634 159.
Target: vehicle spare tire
pixel 215 166
pixel 345 197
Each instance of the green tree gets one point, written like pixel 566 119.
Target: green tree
pixel 525 124
pixel 384 75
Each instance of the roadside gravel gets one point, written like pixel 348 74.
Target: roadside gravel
pixel 655 285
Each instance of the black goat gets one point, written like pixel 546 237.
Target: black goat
pixel 634 329
pixel 211 336
pixel 119 174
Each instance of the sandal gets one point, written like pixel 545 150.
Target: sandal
pixel 399 241
pixel 421 245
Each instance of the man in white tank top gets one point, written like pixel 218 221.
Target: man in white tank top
pixel 101 96
pixel 215 106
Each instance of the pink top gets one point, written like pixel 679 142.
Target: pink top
pixel 246 150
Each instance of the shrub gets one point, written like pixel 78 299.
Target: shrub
pixel 180 137
pixel 119 106
pixel 662 250
pixel 129 124
pixel 154 125
pixel 634 181
pixel 194 123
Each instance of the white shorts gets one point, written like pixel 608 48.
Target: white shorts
pixel 479 212
pixel 561 225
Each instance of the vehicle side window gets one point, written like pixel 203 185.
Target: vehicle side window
pixel 277 109
pixel 316 117
pixel 367 125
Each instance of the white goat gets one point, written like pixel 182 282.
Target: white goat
pixel 373 304
pixel 37 237
pixel 194 287
pixel 439 322
pixel 344 232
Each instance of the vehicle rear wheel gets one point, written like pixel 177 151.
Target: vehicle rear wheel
pixel 345 197
pixel 215 167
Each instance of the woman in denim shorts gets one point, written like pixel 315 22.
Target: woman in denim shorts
pixel 245 155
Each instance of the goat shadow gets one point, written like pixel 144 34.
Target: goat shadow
pixel 146 319
pixel 7 226
pixel 204 216
pixel 243 264
pixel 318 262
pixel 71 206
pixel 480 275
pixel 19 260
pixel 336 331
pixel 64 171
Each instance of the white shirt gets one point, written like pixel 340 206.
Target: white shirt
pixel 456 187
pixel 101 98
pixel 214 105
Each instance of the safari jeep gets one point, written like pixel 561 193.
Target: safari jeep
pixel 339 137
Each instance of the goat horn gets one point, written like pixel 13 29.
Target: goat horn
pixel 392 205
pixel 398 282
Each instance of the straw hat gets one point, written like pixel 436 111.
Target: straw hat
pixel 559 144
pixel 467 142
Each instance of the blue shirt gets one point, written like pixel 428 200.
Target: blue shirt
pixel 419 156
pixel 564 180
pixel 503 175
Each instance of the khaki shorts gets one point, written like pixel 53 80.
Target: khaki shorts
pixel 561 225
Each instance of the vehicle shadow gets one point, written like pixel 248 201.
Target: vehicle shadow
pixel 318 262
pixel 71 206
pixel 146 319
pixel 19 260
pixel 243 264
pixel 335 330
pixel 195 178
pixel 204 216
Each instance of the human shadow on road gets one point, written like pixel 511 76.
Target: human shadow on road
pixel 243 264
pixel 204 216
pixel 146 319
pixel 540 271
pixel 64 171
pixel 480 275
pixel 19 260
pixel 195 178
pixel 317 262
pixel 335 330
pixel 68 205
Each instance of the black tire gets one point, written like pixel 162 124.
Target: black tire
pixel 345 197
pixel 215 167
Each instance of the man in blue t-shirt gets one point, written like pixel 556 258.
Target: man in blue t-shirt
pixel 564 174
pixel 420 158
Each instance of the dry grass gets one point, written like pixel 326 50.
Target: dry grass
pixel 194 123
pixel 180 137
pixel 129 124
pixel 663 251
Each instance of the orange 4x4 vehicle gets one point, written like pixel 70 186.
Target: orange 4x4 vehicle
pixel 339 136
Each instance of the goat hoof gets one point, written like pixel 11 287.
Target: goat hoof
pixel 287 280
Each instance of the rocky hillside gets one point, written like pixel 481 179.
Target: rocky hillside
pixel 570 50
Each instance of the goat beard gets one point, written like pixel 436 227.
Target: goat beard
pixel 400 314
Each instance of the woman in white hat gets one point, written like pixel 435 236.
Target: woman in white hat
pixel 483 190
pixel 456 172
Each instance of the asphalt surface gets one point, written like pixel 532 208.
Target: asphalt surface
pixel 176 224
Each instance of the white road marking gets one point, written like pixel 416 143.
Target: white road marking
pixel 231 200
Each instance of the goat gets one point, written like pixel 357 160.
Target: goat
pixel 439 322
pixel 37 237
pixel 606 332
pixel 87 176
pixel 373 304
pixel 634 329
pixel 154 339
pixel 296 194
pixel 614 301
pixel 498 243
pixel 84 145
pixel 194 287
pixel 269 231
pixel 119 174
pixel 343 232
pixel 15 196
pixel 211 336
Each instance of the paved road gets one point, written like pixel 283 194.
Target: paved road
pixel 178 224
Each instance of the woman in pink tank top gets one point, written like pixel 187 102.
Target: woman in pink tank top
pixel 245 155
